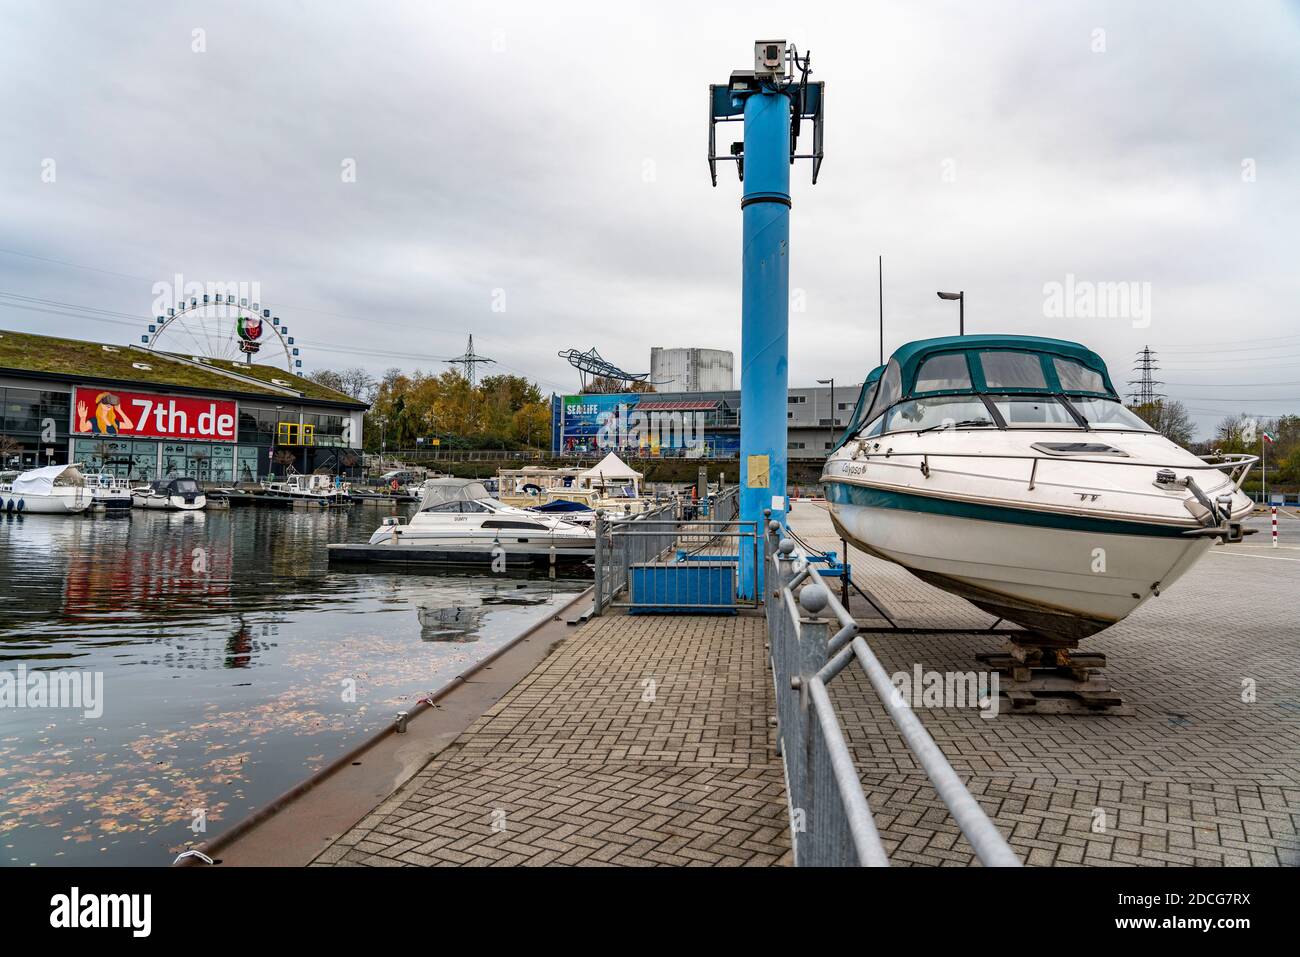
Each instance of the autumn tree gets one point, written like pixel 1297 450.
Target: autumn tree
pixel 499 412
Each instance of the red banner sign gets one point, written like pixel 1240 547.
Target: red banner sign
pixel 138 414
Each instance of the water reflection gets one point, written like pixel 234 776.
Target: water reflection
pixel 228 649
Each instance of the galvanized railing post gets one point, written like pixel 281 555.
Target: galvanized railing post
pixel 600 561
pixel 815 811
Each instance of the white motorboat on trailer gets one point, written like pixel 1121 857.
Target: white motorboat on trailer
pixel 172 494
pixel 52 490
pixel 1005 469
pixel 459 523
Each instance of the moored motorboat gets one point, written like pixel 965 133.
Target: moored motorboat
pixel 109 492
pixel 52 490
pixel 1005 469
pixel 575 494
pixel 172 494
pixel 458 522
pixel 321 491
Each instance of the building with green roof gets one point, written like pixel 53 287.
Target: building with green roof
pixel 142 415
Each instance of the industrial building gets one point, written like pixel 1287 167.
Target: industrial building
pixel 703 424
pixel 691 370
pixel 143 415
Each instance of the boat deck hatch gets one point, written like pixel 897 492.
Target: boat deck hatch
pixel 1077 448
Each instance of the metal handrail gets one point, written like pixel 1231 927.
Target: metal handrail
pixel 654 535
pixel 806 657
pixel 1233 460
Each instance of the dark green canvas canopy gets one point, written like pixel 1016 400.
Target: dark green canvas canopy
pixel 967 365
pixel 864 403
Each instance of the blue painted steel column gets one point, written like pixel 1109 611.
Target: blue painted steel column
pixel 765 311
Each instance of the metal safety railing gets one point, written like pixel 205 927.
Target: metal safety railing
pixel 831 823
pixel 679 557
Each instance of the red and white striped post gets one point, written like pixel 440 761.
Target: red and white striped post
pixel 1273 509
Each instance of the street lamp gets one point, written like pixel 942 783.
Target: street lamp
pixel 831 383
pixel 961 309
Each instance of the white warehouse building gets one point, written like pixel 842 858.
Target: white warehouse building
pixel 691 370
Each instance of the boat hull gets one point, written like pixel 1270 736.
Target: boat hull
pixel 463 554
pixel 28 503
pixel 168 503
pixel 1058 574
pixel 119 503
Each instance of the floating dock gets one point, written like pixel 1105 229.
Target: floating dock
pixel 410 555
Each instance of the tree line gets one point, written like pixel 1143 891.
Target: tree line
pixel 1241 433
pixel 412 410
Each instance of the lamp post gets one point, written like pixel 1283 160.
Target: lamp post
pixel 831 383
pixel 961 309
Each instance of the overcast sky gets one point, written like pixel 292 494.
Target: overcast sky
pixel 556 152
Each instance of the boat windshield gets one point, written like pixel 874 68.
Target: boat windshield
pixel 990 381
pixel 1108 414
pixel 185 485
pixel 918 415
pixel 460 508
pixel 1033 412
pixel 438 492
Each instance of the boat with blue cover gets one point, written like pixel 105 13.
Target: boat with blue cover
pixel 1005 469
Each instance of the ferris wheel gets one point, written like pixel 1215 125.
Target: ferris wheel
pixel 222 327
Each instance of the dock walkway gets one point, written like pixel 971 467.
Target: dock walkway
pixel 646 740
pixel 640 740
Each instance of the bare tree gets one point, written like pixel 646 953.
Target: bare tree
pixel 10 448
pixel 354 381
pixel 1170 419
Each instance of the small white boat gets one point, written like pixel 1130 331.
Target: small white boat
pixel 310 490
pixel 109 492
pixel 1004 469
pixel 173 495
pixel 459 523
pixel 614 485
pixel 52 490
pixel 579 506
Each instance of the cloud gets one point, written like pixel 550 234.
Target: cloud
pixel 557 153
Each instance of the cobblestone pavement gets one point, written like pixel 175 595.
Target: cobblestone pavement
pixel 577 765
pixel 1193 776
pixel 640 740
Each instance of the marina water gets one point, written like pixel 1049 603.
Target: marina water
pixel 233 663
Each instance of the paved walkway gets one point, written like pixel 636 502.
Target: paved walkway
pixel 1194 776
pixel 645 740
pixel 640 740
